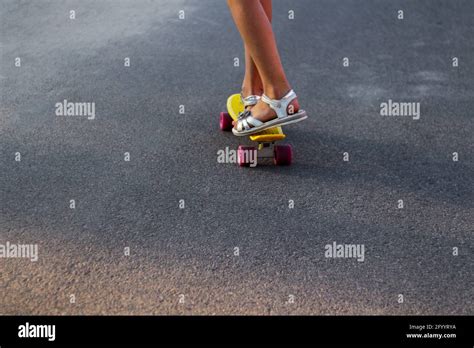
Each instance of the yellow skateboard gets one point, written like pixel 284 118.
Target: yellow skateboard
pixel 266 139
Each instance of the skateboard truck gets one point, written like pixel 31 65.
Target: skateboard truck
pixel 265 150
pixel 281 154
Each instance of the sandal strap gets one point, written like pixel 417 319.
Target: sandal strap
pixel 248 122
pixel 243 114
pixel 251 100
pixel 280 106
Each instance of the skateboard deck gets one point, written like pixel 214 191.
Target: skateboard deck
pixel 235 106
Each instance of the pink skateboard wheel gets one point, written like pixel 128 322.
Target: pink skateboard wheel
pixel 225 122
pixel 283 155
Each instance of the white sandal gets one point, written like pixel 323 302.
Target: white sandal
pixel 247 124
pixel 251 100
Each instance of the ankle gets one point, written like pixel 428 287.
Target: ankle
pixel 252 85
pixel 277 92
pixel 251 90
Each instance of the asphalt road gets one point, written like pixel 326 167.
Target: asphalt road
pixel 190 251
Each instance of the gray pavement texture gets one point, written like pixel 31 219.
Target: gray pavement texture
pixel 190 251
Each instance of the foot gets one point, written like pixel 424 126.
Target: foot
pixel 263 112
pixel 247 90
pixel 279 112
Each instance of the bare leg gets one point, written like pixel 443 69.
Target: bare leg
pixel 252 83
pixel 257 34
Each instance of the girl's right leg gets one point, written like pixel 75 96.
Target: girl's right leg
pixel 252 84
